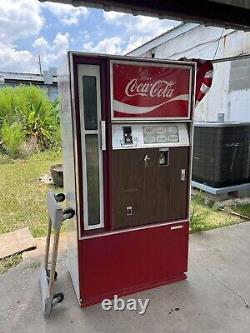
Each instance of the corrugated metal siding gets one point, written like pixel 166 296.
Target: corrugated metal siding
pixel 215 13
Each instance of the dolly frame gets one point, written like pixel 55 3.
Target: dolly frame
pixel 56 217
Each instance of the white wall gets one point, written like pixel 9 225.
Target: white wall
pixel 230 92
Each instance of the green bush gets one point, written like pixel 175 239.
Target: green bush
pixel 13 137
pixel 37 116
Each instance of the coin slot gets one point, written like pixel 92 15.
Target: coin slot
pixel 163 157
pixel 127 135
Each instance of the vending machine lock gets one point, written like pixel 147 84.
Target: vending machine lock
pixel 129 210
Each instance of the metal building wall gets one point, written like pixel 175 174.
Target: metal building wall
pixel 230 92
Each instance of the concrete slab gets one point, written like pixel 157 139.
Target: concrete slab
pixel 16 242
pixel 212 299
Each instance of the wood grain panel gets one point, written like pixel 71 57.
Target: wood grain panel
pixel 155 193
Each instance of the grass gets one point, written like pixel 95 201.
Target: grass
pixel 9 262
pixel 242 209
pixel 204 217
pixel 33 266
pixel 23 196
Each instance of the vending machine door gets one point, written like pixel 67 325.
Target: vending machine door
pixel 149 186
pixel 150 162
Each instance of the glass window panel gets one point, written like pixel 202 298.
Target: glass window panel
pixel 90 102
pixel 92 163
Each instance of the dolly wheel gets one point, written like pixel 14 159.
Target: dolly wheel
pixel 58 298
pixel 60 197
pixel 69 213
pixel 48 274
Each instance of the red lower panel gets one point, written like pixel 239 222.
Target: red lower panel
pixel 126 262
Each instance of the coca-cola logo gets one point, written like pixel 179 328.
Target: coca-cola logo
pixel 159 88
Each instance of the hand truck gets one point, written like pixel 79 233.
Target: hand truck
pixel 56 217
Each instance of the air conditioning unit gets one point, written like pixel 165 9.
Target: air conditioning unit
pixel 221 153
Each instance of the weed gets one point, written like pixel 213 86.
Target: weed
pixel 242 209
pixel 33 266
pixel 9 262
pixel 12 137
pixel 205 217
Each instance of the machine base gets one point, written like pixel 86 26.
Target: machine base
pixel 121 263
pixel 134 290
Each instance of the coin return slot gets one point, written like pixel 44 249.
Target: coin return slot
pixel 164 157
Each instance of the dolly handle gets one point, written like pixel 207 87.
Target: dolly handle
pixel 47 246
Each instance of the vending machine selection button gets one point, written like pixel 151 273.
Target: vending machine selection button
pixel 173 138
pixel 161 138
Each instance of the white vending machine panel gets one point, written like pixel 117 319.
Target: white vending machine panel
pixel 127 136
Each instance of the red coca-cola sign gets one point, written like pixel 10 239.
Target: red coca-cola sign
pixel 143 90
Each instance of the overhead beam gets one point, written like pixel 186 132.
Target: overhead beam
pixel 217 13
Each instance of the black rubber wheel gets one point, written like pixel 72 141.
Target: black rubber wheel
pixel 48 274
pixel 60 197
pixel 58 298
pixel 70 212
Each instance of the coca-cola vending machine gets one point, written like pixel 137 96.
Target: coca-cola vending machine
pixel 127 141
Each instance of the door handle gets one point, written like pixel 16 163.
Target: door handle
pixel 183 175
pixel 146 158
pixel 103 135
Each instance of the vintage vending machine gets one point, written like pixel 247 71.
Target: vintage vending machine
pixel 127 143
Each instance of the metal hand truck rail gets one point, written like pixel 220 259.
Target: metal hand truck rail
pixel 56 217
